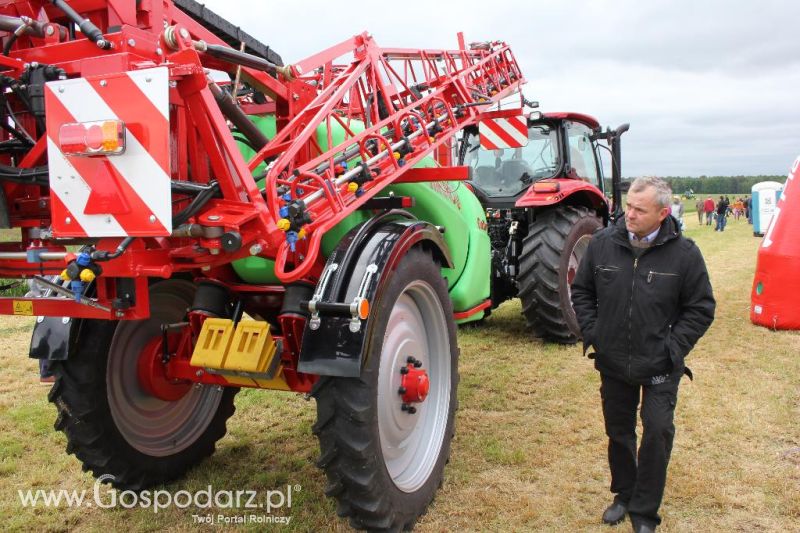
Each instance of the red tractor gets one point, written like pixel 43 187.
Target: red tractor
pixel 544 197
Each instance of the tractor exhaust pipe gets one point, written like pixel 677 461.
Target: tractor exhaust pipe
pixel 614 139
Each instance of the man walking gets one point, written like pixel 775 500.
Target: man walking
pixel 642 298
pixel 722 214
pixel 708 208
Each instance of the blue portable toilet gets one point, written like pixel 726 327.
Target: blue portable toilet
pixel 764 198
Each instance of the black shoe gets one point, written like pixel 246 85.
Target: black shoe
pixel 642 527
pixel 615 513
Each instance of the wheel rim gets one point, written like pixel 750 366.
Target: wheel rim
pixel 411 443
pixel 154 427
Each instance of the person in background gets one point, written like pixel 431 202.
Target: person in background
pixel 708 209
pixel 676 210
pixel 738 208
pixel 700 206
pixel 722 214
pixel 747 209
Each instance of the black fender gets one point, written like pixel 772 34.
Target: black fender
pixel 360 266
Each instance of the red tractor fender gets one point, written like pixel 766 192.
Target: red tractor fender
pixel 555 191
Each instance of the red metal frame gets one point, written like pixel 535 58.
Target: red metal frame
pixel 377 96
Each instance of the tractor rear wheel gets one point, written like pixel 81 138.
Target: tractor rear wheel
pixel 384 447
pixel 116 428
pixel 551 253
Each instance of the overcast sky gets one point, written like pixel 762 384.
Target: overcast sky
pixel 709 87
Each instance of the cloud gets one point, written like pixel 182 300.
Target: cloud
pixel 708 87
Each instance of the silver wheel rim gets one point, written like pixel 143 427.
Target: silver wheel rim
pixel 154 427
pixel 411 443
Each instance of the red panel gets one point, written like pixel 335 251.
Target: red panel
pixel 776 287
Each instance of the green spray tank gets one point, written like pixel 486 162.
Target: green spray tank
pixel 448 204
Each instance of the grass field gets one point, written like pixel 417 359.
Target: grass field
pixel 529 451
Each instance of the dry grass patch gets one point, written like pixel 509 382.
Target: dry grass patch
pixel 529 452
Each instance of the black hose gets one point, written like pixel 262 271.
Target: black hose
pixel 87 26
pixel 196 204
pixel 9 44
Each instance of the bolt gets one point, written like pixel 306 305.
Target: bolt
pixel 295 97
pixel 206 268
pixel 61 88
pixel 39 319
pixel 68 220
pixel 256 249
pixel 173 83
pixel 404 370
pixel 59 177
pixel 108 220
pixel 199 373
pixel 152 219
pixel 50 30
pixel 148 79
pixel 65 320
pixel 184 33
pixel 131 42
pixel 119 314
pixel 159 51
pixel 213 218
pixel 103 83
pixel 401 390
pixel 213 251
pixel 410 409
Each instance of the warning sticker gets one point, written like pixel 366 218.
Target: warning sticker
pixel 23 308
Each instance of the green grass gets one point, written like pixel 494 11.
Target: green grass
pixel 529 451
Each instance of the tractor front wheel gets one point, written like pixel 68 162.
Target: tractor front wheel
pixel 385 436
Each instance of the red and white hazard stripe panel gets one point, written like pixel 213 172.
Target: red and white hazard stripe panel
pixel 108 155
pixel 503 132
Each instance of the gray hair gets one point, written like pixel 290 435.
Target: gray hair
pixel 662 188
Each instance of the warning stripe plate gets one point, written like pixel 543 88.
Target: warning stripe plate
pixel 115 195
pixel 503 132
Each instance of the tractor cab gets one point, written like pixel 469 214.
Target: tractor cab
pixel 559 146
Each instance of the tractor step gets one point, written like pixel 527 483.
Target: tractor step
pixel 244 353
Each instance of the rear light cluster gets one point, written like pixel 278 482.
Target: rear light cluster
pixel 102 137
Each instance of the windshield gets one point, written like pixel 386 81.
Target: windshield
pixel 507 172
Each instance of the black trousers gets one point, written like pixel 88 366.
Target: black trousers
pixel 639 484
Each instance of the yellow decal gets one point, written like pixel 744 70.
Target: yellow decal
pixel 23 308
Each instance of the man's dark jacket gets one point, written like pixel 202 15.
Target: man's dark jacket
pixel 643 315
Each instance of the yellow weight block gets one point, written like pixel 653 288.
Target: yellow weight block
pixel 252 349
pixel 213 343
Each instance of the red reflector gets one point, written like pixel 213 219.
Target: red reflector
pixel 102 137
pixel 407 202
pixel 546 186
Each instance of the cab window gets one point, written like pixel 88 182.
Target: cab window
pixel 581 153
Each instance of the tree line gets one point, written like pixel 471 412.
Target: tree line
pixel 709 184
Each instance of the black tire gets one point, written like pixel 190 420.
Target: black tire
pixel 552 249
pixel 355 414
pixel 89 395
